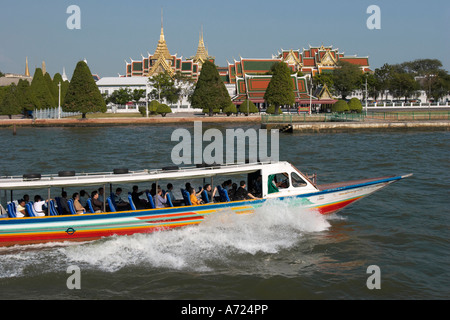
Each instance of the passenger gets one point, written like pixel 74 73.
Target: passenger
pixel 97 205
pixel 20 210
pixel 135 196
pixel 79 209
pixel 160 200
pixel 170 191
pixel 84 198
pixel 258 186
pixel 227 185
pixel 232 192
pixel 242 193
pixel 120 204
pixel 153 190
pixel 38 206
pixel 101 194
pixel 64 204
pixel 210 192
pixel 194 200
pixel 26 198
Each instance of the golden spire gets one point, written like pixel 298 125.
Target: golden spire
pixel 202 53
pixel 27 70
pixel 44 69
pixel 161 49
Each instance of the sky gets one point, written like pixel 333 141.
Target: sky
pixel 114 31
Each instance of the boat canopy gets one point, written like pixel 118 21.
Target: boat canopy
pixel 122 176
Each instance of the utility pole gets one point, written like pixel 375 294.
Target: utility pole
pixel 59 101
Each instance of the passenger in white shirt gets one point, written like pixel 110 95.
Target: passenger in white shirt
pixel 38 206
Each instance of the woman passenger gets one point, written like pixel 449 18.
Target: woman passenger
pixel 79 209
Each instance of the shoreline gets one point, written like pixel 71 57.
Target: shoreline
pixel 306 127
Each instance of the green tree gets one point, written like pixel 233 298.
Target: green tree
pixel 164 88
pixel 83 94
pixel 346 78
pixel 210 93
pixel 52 88
pixel 10 105
pixel 248 107
pixel 24 96
pixel 57 79
pixel 121 96
pixel 355 105
pixel 163 109
pixel 280 91
pixel 340 106
pixel 403 85
pixel 230 109
pixel 271 110
pixel 41 92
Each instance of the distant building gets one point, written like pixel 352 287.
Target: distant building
pixel 11 78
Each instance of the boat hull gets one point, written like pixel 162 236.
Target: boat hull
pixel 96 226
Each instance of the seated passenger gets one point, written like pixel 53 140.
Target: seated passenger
pixel 232 192
pixel 64 204
pixel 194 200
pixel 38 206
pixel 79 209
pixel 170 191
pixel 20 210
pixel 101 194
pixel 97 205
pixel 242 193
pixel 138 202
pixel 120 204
pixel 160 200
pixel 83 198
pixel 211 193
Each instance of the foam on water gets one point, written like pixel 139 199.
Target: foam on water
pixel 275 226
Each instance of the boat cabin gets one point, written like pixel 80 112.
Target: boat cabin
pixel 276 179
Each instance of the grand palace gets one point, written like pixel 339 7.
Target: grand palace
pixel 246 78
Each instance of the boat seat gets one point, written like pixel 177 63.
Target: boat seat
pixel 130 199
pixel 89 205
pixel 71 207
pixel 30 210
pixel 223 194
pixel 112 207
pixel 52 208
pixel 169 200
pixel 11 210
pixel 150 200
pixel 187 200
pixel 59 206
pixel 205 197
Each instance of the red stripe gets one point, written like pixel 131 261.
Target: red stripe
pixel 334 207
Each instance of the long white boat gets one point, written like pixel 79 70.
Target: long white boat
pixel 279 181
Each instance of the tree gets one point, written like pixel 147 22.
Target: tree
pixel 248 107
pixel 231 108
pixel 355 105
pixel 163 109
pixel 340 106
pixel 24 96
pixel 83 94
pixel 210 93
pixel 121 96
pixel 41 92
pixel 403 85
pixel 346 78
pixel 280 91
pixel 10 105
pixel 137 95
pixel 52 88
pixel 164 88
pixel 57 79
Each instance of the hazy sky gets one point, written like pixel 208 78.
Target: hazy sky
pixel 112 31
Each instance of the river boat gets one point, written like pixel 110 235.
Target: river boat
pixel 278 181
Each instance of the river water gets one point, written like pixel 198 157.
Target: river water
pixel 280 253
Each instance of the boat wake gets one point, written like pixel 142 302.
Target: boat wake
pixel 223 239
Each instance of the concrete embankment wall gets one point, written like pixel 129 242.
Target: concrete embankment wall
pixel 363 126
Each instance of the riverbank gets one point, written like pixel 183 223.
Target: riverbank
pixel 307 127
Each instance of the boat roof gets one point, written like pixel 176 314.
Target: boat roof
pixel 124 176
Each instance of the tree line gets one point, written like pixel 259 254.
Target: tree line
pixel 402 81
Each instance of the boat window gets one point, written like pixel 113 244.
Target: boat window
pixel 297 181
pixel 278 182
